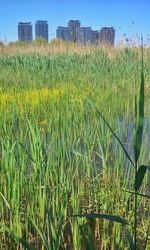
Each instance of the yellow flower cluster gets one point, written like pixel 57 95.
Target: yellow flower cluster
pixel 34 98
pixel 31 98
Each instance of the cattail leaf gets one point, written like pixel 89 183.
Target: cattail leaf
pixel 135 108
pixel 140 124
pixel 114 218
pixel 140 176
pixel 139 194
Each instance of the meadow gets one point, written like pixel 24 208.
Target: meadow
pixel 58 158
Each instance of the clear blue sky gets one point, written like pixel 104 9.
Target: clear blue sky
pixel 94 13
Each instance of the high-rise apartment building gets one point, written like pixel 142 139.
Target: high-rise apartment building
pixel 62 33
pixel 107 35
pixel 41 29
pixel 84 35
pixel 25 32
pixel 73 26
pixel 95 37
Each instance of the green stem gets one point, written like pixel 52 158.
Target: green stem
pixel 135 208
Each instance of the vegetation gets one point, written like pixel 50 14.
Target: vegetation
pixel 59 158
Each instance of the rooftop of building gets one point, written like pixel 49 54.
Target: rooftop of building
pixel 41 21
pixel 62 27
pixel 24 23
pixel 74 20
pixel 107 28
pixel 84 27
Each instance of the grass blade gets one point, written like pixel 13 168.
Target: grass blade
pixel 57 244
pixel 87 243
pixel 17 238
pixel 114 134
pixel 130 240
pixel 29 155
pixel 147 236
pixel 43 238
pixel 6 202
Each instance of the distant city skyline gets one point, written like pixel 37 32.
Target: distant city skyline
pixel 75 32
pixel 130 17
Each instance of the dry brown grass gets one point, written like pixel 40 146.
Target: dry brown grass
pixel 57 47
pixel 60 47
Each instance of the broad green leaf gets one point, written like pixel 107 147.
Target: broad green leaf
pixel 140 125
pixel 140 176
pixel 114 218
pixel 135 108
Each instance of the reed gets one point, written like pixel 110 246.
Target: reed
pixel 58 158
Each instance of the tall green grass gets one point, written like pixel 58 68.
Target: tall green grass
pixel 60 159
pixel 139 171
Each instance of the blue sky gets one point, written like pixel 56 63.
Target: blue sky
pixel 94 13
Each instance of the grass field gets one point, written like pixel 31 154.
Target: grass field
pixel 57 156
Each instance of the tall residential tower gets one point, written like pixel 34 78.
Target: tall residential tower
pixel 84 35
pixel 95 37
pixel 73 26
pixel 41 29
pixel 107 35
pixel 62 33
pixel 25 32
